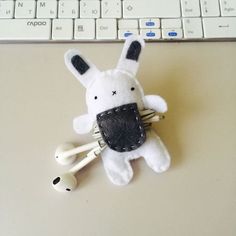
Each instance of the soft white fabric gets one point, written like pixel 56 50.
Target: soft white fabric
pixel 103 88
pixel 83 124
pixel 112 88
pixel 117 165
pixel 89 76
pixel 127 65
pixel 155 103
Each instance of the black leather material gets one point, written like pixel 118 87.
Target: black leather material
pixel 134 51
pixel 80 65
pixel 122 128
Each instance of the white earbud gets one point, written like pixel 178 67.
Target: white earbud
pixel 66 153
pixel 67 181
pixel 60 154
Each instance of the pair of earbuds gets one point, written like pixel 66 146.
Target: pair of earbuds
pixel 65 155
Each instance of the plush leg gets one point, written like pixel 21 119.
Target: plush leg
pixel 117 167
pixel 155 153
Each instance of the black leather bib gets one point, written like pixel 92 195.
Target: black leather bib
pixel 122 128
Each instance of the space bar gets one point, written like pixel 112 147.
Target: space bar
pixel 25 29
pixel 151 8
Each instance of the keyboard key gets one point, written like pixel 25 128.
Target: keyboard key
pixel 149 23
pixel 124 33
pixel 25 29
pixel 128 24
pixel 111 9
pixel 151 8
pixel 190 8
pixel 6 9
pixel 151 33
pixel 117 19
pixel 172 33
pixel 222 27
pixel 46 9
pixel 68 9
pixel 210 8
pixel 171 23
pixel 106 29
pixel 62 29
pixel 90 9
pixel 84 29
pixel 228 7
pixel 25 9
pixel 192 28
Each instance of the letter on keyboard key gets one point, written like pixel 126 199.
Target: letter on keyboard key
pixel 111 9
pixel 25 9
pixel 84 29
pixel 46 9
pixel 25 29
pixel 228 7
pixel 68 9
pixel 62 29
pixel 172 33
pixel 190 8
pixel 151 8
pixel 106 29
pixel 210 7
pixel 90 9
pixel 6 9
pixel 192 28
pixel 219 27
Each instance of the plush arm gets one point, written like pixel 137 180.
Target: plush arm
pixel 155 103
pixel 83 124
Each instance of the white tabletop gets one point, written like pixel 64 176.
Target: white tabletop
pixel 39 99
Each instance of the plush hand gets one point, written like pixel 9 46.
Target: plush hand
pixel 83 124
pixel 155 103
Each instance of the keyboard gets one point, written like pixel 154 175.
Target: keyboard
pixel 114 20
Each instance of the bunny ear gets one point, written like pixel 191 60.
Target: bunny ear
pixel 130 54
pixel 81 68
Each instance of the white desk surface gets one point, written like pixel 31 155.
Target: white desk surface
pixel 38 100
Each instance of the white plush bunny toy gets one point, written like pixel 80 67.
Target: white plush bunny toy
pixel 115 101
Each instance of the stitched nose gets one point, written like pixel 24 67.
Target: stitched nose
pixel 113 93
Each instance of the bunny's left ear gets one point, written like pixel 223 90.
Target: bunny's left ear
pixel 81 68
pixel 130 54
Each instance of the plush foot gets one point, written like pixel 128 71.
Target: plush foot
pixel 119 176
pixel 156 154
pixel 117 168
pixel 158 164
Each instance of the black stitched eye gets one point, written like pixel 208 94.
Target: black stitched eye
pixel 132 89
pixel 95 97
